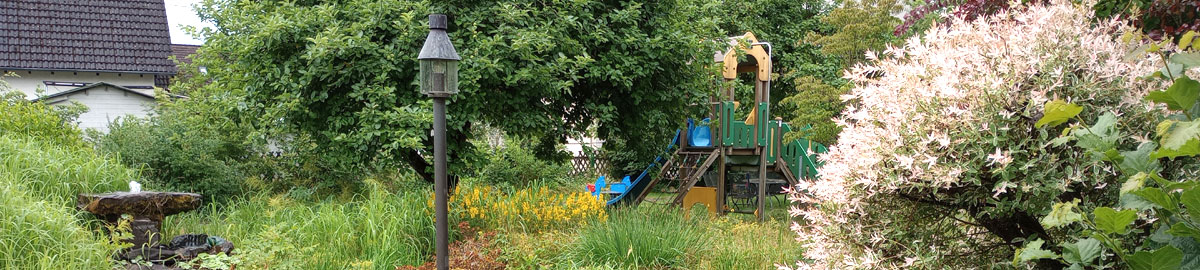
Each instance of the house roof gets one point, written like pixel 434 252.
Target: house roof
pixel 94 85
pixel 183 53
pixel 94 35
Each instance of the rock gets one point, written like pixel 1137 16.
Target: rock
pixel 220 245
pixel 145 232
pixel 189 240
pixel 153 205
pixel 149 254
pixel 185 254
pixel 151 267
pixel 147 209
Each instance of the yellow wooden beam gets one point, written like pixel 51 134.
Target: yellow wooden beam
pixel 763 67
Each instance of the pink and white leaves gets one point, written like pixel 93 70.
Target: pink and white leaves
pixel 911 105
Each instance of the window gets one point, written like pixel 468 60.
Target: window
pixel 57 83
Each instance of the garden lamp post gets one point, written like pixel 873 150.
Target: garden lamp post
pixel 439 80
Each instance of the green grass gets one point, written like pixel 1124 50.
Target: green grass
pixel 652 236
pixel 642 237
pixel 57 173
pixel 38 234
pixel 378 230
pixel 39 229
pixel 740 244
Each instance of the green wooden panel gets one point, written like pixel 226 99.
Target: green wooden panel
pixel 794 157
pixel 772 149
pixel 727 121
pixel 741 135
pixel 763 125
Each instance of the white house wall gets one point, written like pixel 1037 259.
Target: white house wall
pixel 106 104
pixel 30 81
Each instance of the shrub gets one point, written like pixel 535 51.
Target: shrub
pixel 35 119
pixel 188 145
pixel 642 237
pixel 377 230
pixel 1154 224
pixel 516 166
pixel 527 209
pixel 942 162
pixel 817 104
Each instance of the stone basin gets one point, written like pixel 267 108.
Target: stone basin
pixel 147 209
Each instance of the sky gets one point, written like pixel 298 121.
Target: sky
pixel 179 12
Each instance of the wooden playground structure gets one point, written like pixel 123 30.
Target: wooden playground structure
pixel 752 147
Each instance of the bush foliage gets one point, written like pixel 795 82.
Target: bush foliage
pixel 188 145
pixel 516 166
pixel 942 161
pixel 20 116
pixel 528 209
pixel 1154 223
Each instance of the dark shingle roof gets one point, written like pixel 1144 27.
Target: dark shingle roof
pixel 85 35
pixel 183 53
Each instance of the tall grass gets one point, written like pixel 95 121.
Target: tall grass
pixel 37 234
pixel 58 173
pixel 749 245
pixel 642 237
pixel 38 182
pixel 379 230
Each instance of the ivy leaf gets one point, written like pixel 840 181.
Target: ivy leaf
pixel 1183 230
pixel 1062 214
pixel 1188 60
pixel 1082 252
pixel 1113 221
pixel 1101 136
pixel 1139 161
pixel 1164 258
pixel 1134 182
pixel 1033 251
pixel 1180 96
pixel 1057 112
pixel 1061 140
pixel 1190 249
pixel 1186 40
pixel 1179 139
pixel 1191 200
pixel 1171 69
pixel 1130 201
pixel 1159 198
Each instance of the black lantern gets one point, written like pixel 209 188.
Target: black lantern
pixel 439 80
pixel 439 61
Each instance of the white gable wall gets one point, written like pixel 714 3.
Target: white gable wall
pixel 28 82
pixel 106 104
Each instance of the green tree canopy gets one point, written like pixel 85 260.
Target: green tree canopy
pixel 337 78
pixel 850 30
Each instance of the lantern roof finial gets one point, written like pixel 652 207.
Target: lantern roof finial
pixel 437 44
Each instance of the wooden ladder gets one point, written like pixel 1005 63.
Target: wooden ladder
pixel 693 174
pixel 684 168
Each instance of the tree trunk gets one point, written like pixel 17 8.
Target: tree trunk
pixel 425 169
pixel 1019 225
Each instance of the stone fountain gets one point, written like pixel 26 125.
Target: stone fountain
pixel 147 210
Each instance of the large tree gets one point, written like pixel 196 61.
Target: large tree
pixel 336 79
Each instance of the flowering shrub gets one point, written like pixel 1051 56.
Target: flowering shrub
pixel 945 159
pixel 529 209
